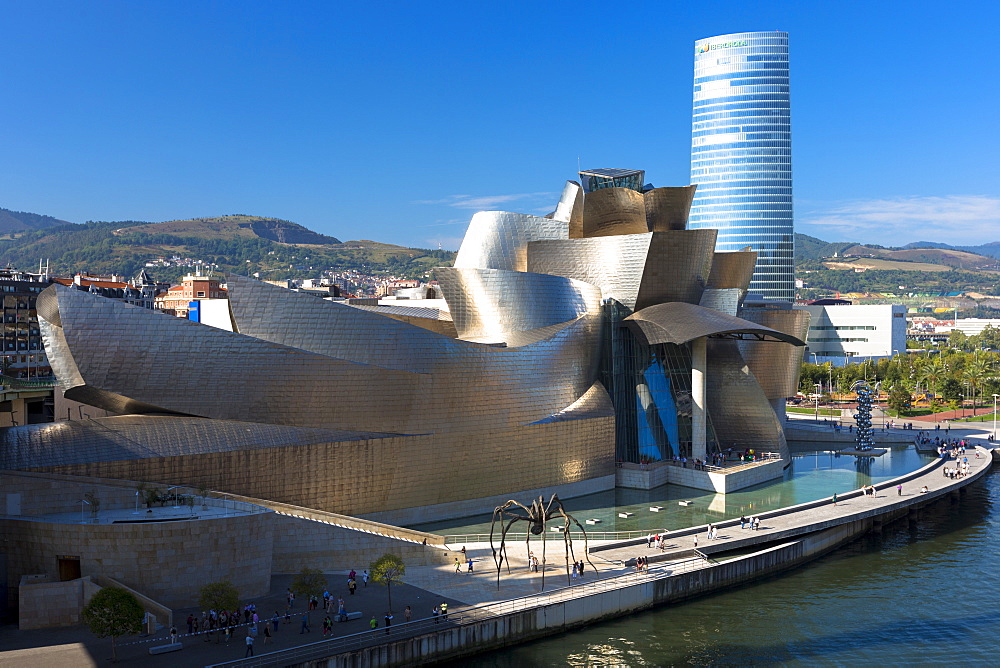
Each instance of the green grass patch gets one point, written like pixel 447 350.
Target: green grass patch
pixel 802 410
pixel 979 418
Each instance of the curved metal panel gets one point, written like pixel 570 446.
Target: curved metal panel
pixel 570 209
pixel 679 322
pixel 668 208
pixel 726 300
pixel 614 264
pixel 496 239
pixel 184 367
pixel 737 407
pixel 677 267
pixel 140 436
pixel 492 303
pixel 776 367
pixel 613 211
pixel 732 270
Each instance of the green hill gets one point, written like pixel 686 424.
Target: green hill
pixel 13 222
pixel 276 249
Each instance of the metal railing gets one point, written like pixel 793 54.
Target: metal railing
pixel 356 641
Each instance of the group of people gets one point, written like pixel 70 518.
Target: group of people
pixel 753 522
pixel 656 540
pixel 640 564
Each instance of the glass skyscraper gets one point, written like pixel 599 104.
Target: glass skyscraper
pixel 741 152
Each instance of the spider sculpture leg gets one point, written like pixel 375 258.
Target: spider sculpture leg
pixel 501 513
pixel 586 547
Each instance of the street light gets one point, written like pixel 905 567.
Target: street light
pixel 175 494
pixel 818 388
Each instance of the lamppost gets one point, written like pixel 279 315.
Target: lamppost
pixel 83 506
pixel 818 388
pixel 175 494
pixel 995 416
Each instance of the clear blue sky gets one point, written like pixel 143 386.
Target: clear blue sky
pixel 396 121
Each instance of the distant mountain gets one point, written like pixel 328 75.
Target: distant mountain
pixel 270 247
pixel 811 248
pixel 991 249
pixel 957 257
pixel 12 222
pixel 234 227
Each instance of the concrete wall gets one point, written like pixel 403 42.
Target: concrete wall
pixel 300 543
pixel 653 475
pixel 167 561
pixel 45 604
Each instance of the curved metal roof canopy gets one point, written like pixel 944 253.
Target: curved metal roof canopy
pixel 680 322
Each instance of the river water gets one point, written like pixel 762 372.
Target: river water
pixel 918 593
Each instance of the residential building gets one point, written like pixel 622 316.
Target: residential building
pixel 741 152
pixel 23 355
pixel 177 300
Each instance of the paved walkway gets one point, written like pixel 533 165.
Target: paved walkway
pixel 76 647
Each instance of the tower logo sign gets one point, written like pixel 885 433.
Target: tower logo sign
pixel 705 48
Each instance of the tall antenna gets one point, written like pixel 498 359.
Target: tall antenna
pixel 578 167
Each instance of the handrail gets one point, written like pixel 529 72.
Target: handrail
pixel 346 522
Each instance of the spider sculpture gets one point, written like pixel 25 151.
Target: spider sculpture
pixel 536 516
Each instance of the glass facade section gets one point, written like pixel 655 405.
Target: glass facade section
pixel 650 387
pixel 741 152
pixel 595 179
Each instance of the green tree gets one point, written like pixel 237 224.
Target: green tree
pixel 951 390
pixel 218 596
pixel 113 612
pixel 387 569
pixel 899 399
pixel 309 581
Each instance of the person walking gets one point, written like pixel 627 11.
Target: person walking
pixel 373 623
pixel 249 642
pixel 743 521
pixel 305 623
pixel 834 498
pixel 364 577
pixel 444 610
pixel 352 586
pixel 435 611
pixel 899 490
pixel 267 633
pixel 406 613
pixel 458 565
pixel 388 621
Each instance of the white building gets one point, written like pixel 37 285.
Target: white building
pixel 842 333
pixel 972 326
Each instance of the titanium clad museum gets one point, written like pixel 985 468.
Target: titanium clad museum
pixel 605 331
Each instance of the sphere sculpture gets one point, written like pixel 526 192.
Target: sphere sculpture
pixel 863 418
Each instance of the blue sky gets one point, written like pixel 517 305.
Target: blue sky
pixel 397 121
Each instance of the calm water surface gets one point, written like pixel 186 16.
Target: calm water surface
pixel 811 476
pixel 920 593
